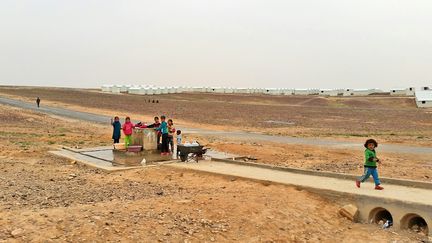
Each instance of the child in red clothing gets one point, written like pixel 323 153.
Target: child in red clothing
pixel 127 130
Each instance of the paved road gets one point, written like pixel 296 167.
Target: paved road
pixel 97 118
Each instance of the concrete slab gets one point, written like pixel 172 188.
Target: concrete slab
pixel 89 161
pixel 100 163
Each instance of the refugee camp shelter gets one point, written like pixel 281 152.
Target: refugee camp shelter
pixel 125 88
pixel 424 98
pixel 106 87
pixel 274 91
pixel 134 90
pixel 398 91
pixel 362 92
pixel 313 91
pixel 288 91
pixel 116 89
pixel 410 91
pixel 301 91
pixel 229 90
pixel 218 90
pixel 329 92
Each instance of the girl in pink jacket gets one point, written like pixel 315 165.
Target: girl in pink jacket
pixel 127 130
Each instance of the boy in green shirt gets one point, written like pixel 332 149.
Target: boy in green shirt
pixel 370 165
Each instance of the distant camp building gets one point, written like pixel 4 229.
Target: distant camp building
pixel 398 92
pixel 410 91
pixel 424 98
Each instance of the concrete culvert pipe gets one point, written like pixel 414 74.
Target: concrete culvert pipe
pixel 415 223
pixel 380 216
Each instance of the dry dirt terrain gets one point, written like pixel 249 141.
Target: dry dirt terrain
pixel 389 119
pixel 49 199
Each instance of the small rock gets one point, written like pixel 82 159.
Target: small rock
pixel 17 232
pixel 350 212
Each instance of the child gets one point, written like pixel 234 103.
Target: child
pixel 156 124
pixel 370 166
pixel 116 129
pixel 171 132
pixel 179 141
pixel 127 130
pixel 179 137
pixel 163 128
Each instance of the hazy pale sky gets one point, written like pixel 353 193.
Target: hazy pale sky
pixel 239 43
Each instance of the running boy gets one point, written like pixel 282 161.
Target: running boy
pixel 370 165
pixel 127 130
pixel 116 129
pixel 163 128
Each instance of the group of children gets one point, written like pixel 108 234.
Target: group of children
pixel 165 132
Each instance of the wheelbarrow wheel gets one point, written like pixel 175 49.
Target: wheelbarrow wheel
pixel 183 157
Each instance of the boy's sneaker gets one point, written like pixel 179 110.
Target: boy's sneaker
pixel 358 184
pixel 379 187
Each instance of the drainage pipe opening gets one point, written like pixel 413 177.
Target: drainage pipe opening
pixel 380 216
pixel 415 223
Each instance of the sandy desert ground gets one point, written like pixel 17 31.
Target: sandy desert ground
pixel 46 198
pixel 49 199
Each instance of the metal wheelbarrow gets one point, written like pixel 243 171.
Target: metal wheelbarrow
pixel 191 153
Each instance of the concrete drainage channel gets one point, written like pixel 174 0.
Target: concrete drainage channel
pixel 399 211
